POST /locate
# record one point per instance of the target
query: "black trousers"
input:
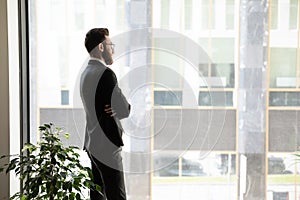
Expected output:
(110, 179)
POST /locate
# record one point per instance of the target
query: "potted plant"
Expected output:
(49, 170)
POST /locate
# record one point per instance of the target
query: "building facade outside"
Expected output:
(183, 65)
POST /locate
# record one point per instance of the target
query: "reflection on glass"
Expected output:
(213, 98)
(284, 99)
(171, 98)
(194, 164)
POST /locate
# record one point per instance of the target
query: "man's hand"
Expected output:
(108, 110)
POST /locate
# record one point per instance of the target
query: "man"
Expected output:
(104, 105)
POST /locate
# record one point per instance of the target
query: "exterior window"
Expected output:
(274, 14)
(64, 97)
(188, 14)
(284, 132)
(194, 164)
(213, 98)
(284, 99)
(57, 8)
(222, 58)
(208, 14)
(79, 14)
(160, 132)
(293, 14)
(99, 10)
(230, 14)
(165, 62)
(170, 98)
(165, 13)
(120, 12)
(283, 67)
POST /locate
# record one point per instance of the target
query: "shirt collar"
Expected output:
(93, 58)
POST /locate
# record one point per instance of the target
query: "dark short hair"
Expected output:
(94, 37)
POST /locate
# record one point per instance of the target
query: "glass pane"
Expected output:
(194, 163)
(166, 164)
(221, 69)
(222, 50)
(120, 11)
(284, 129)
(196, 169)
(208, 14)
(57, 31)
(281, 164)
(188, 14)
(166, 62)
(225, 72)
(283, 67)
(213, 98)
(230, 14)
(284, 99)
(293, 14)
(153, 79)
(178, 129)
(170, 98)
(283, 172)
(165, 13)
(208, 164)
(274, 14)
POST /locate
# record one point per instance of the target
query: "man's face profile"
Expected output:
(108, 51)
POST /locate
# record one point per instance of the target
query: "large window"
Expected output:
(178, 63)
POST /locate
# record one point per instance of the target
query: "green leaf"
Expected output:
(72, 196)
(78, 196)
(98, 188)
(67, 135)
(35, 191)
(42, 128)
(30, 147)
(70, 187)
(16, 195)
(11, 167)
(63, 174)
(65, 186)
(48, 126)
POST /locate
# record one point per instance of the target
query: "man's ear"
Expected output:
(101, 47)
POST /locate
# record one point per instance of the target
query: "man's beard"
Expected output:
(107, 57)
